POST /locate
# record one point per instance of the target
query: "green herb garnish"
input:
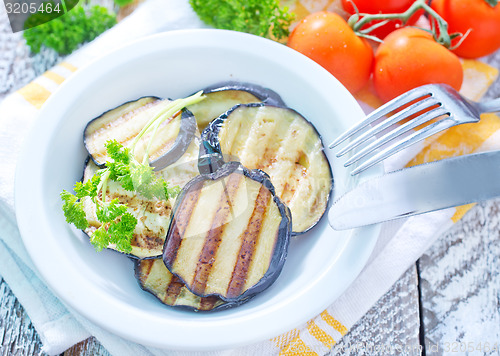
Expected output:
(260, 17)
(117, 224)
(65, 33)
(123, 2)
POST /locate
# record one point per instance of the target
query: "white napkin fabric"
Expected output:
(399, 245)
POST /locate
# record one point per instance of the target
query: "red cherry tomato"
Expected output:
(382, 7)
(326, 38)
(477, 15)
(409, 57)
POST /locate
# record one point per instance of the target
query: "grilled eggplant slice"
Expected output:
(156, 279)
(154, 215)
(282, 143)
(126, 121)
(223, 96)
(229, 234)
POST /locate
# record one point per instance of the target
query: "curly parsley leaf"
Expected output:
(65, 33)
(119, 166)
(146, 183)
(123, 2)
(260, 17)
(87, 189)
(118, 233)
(122, 232)
(117, 224)
(117, 152)
(73, 210)
(132, 175)
(110, 211)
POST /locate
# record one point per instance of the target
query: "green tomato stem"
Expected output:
(492, 3)
(357, 21)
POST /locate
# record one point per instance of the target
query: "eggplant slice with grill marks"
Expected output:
(124, 123)
(153, 215)
(156, 279)
(223, 96)
(286, 146)
(229, 234)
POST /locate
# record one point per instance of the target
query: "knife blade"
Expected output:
(419, 189)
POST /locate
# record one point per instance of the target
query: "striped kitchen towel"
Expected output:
(399, 245)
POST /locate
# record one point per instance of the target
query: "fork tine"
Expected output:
(419, 120)
(420, 135)
(403, 114)
(381, 111)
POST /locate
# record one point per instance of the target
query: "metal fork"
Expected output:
(432, 101)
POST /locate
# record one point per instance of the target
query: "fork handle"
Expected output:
(490, 106)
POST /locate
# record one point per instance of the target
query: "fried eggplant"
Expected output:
(124, 123)
(223, 96)
(153, 215)
(286, 146)
(229, 234)
(155, 278)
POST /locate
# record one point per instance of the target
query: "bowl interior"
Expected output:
(101, 286)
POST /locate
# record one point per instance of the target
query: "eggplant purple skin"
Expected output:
(98, 117)
(211, 151)
(187, 130)
(226, 305)
(284, 230)
(186, 135)
(265, 95)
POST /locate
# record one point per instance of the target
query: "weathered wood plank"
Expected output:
(89, 347)
(391, 327)
(460, 277)
(17, 335)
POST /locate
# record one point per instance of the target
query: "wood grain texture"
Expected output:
(90, 347)
(391, 327)
(17, 335)
(460, 277)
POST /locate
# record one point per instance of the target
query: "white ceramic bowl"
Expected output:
(101, 286)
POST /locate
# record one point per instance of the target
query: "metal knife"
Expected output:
(419, 189)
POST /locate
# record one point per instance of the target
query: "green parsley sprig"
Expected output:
(122, 3)
(117, 224)
(65, 33)
(260, 17)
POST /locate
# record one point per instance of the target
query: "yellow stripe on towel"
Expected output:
(478, 77)
(320, 334)
(284, 339)
(334, 323)
(68, 66)
(297, 348)
(35, 94)
(56, 78)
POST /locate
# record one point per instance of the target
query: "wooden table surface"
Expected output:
(448, 299)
